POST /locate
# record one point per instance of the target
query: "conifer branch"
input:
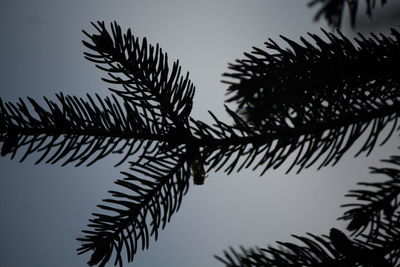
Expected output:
(77, 130)
(313, 101)
(374, 221)
(332, 10)
(316, 143)
(378, 203)
(333, 250)
(154, 191)
(282, 87)
(143, 72)
(310, 101)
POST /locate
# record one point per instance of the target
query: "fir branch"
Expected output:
(387, 239)
(143, 72)
(315, 82)
(151, 117)
(154, 193)
(375, 220)
(377, 203)
(332, 10)
(245, 146)
(333, 250)
(157, 183)
(313, 102)
(78, 130)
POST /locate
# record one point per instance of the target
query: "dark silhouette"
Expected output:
(332, 10)
(312, 101)
(330, 93)
(373, 221)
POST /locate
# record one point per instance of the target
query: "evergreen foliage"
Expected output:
(374, 224)
(311, 101)
(332, 10)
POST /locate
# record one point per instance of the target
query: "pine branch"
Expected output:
(387, 239)
(157, 183)
(309, 80)
(313, 102)
(376, 204)
(375, 220)
(151, 117)
(77, 130)
(142, 70)
(154, 193)
(332, 10)
(335, 250)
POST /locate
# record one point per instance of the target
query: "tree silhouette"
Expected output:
(310, 102)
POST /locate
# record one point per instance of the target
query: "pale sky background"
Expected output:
(44, 207)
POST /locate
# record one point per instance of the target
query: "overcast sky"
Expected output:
(44, 207)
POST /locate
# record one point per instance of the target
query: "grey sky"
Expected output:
(44, 207)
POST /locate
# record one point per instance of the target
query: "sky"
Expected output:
(44, 207)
